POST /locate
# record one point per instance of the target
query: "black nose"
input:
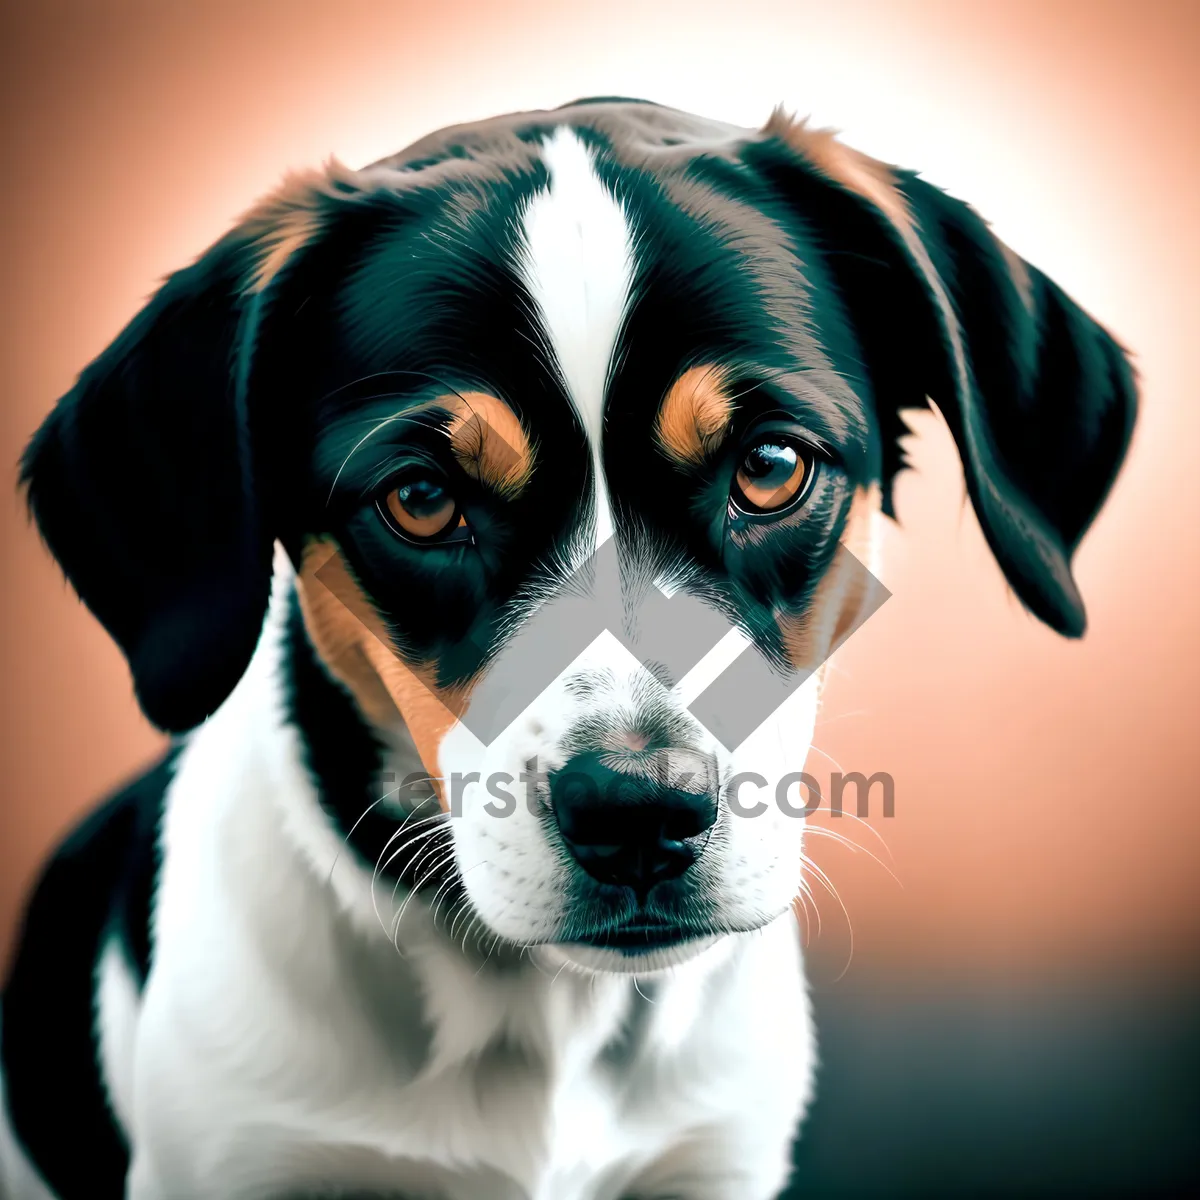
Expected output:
(639, 825)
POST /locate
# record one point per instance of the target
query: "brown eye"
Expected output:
(422, 509)
(771, 475)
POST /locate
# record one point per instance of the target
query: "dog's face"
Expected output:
(608, 349)
(566, 364)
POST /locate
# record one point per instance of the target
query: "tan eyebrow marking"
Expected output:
(488, 441)
(695, 415)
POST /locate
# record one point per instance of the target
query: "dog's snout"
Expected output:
(632, 824)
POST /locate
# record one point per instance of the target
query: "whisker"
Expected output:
(464, 906)
(802, 911)
(363, 814)
(379, 860)
(422, 827)
(855, 847)
(434, 868)
(827, 883)
(400, 416)
(826, 755)
(440, 895)
(424, 836)
(855, 712)
(869, 827)
(640, 992)
(380, 865)
(432, 849)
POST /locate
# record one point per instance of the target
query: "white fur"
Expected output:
(512, 872)
(287, 1039)
(117, 1005)
(578, 261)
(279, 1046)
(578, 266)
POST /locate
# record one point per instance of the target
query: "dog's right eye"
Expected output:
(422, 509)
(775, 474)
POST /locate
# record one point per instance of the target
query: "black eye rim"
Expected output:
(453, 533)
(808, 453)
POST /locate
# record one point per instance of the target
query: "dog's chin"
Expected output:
(629, 959)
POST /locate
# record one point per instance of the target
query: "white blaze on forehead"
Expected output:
(577, 261)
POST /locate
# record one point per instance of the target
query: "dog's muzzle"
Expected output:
(631, 822)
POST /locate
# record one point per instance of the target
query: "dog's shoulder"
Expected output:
(96, 891)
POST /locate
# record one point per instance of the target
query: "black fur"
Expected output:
(1046, 417)
(365, 805)
(142, 483)
(99, 885)
(228, 416)
(221, 417)
(1045, 412)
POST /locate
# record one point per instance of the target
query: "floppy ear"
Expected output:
(1039, 398)
(147, 479)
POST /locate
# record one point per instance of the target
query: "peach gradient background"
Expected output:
(1047, 818)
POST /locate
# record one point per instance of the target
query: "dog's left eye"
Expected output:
(422, 509)
(775, 473)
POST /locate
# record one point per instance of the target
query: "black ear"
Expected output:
(1040, 399)
(147, 479)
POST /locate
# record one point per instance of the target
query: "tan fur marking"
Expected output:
(695, 415)
(1018, 268)
(351, 639)
(293, 215)
(489, 442)
(875, 182)
(867, 176)
(486, 438)
(281, 224)
(841, 597)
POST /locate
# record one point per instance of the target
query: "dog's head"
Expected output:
(609, 348)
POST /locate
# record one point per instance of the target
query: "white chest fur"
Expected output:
(285, 1046)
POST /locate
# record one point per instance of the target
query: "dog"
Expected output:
(320, 490)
